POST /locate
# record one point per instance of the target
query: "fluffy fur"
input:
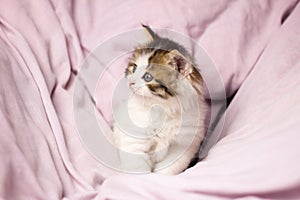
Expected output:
(163, 122)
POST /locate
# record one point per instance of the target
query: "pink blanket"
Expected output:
(255, 46)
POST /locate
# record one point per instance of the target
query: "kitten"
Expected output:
(161, 126)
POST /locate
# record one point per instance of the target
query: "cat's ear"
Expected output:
(152, 35)
(180, 63)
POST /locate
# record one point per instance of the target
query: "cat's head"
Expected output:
(161, 68)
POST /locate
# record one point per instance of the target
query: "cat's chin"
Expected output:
(146, 99)
(139, 93)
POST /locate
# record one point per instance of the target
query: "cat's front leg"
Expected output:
(133, 153)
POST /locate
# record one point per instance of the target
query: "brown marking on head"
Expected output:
(168, 60)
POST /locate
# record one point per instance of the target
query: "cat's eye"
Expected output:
(147, 77)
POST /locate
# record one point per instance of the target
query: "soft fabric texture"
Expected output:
(255, 46)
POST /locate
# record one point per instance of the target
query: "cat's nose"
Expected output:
(131, 84)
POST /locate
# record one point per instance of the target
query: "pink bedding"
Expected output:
(255, 46)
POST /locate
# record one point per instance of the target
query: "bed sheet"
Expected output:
(254, 45)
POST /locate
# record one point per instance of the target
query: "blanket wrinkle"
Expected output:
(47, 106)
(288, 11)
(210, 18)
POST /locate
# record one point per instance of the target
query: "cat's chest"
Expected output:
(145, 115)
(139, 116)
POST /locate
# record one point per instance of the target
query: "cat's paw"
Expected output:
(166, 171)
